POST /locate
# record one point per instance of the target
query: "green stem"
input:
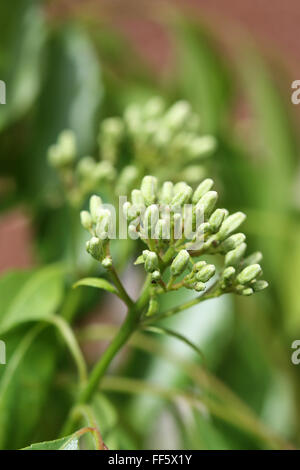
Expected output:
(122, 292)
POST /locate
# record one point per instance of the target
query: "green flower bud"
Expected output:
(103, 224)
(154, 107)
(86, 220)
(151, 261)
(232, 242)
(148, 189)
(95, 248)
(178, 114)
(104, 171)
(249, 273)
(259, 285)
(203, 188)
(228, 273)
(193, 173)
(107, 262)
(128, 177)
(95, 207)
(132, 232)
(208, 202)
(230, 224)
(201, 147)
(180, 262)
(86, 167)
(150, 220)
(162, 231)
(254, 258)
(206, 273)
(166, 193)
(182, 194)
(67, 146)
(112, 129)
(216, 219)
(199, 286)
(247, 291)
(234, 257)
(199, 265)
(156, 275)
(137, 198)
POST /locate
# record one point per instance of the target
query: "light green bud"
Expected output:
(228, 273)
(249, 274)
(95, 207)
(67, 146)
(199, 265)
(259, 285)
(203, 188)
(156, 275)
(128, 177)
(150, 220)
(132, 232)
(193, 173)
(230, 224)
(216, 219)
(103, 224)
(86, 220)
(148, 189)
(234, 257)
(208, 202)
(166, 193)
(150, 260)
(206, 273)
(254, 258)
(182, 194)
(180, 262)
(95, 248)
(137, 198)
(178, 114)
(129, 211)
(201, 147)
(162, 231)
(232, 242)
(154, 107)
(107, 262)
(112, 129)
(86, 166)
(247, 291)
(199, 286)
(104, 171)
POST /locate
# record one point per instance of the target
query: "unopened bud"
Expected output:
(86, 220)
(150, 220)
(95, 248)
(216, 219)
(208, 202)
(107, 262)
(182, 194)
(254, 258)
(232, 242)
(95, 207)
(206, 273)
(150, 260)
(249, 273)
(202, 146)
(199, 286)
(166, 193)
(180, 263)
(230, 224)
(234, 257)
(148, 189)
(203, 188)
(259, 285)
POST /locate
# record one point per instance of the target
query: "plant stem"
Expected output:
(122, 292)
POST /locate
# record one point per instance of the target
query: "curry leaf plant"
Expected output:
(173, 258)
(151, 136)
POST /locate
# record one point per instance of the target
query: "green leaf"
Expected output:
(65, 443)
(22, 38)
(38, 297)
(98, 283)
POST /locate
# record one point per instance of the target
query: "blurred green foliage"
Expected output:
(69, 74)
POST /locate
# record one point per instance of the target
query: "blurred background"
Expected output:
(69, 64)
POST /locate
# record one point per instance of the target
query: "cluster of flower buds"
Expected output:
(180, 225)
(98, 221)
(82, 177)
(155, 136)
